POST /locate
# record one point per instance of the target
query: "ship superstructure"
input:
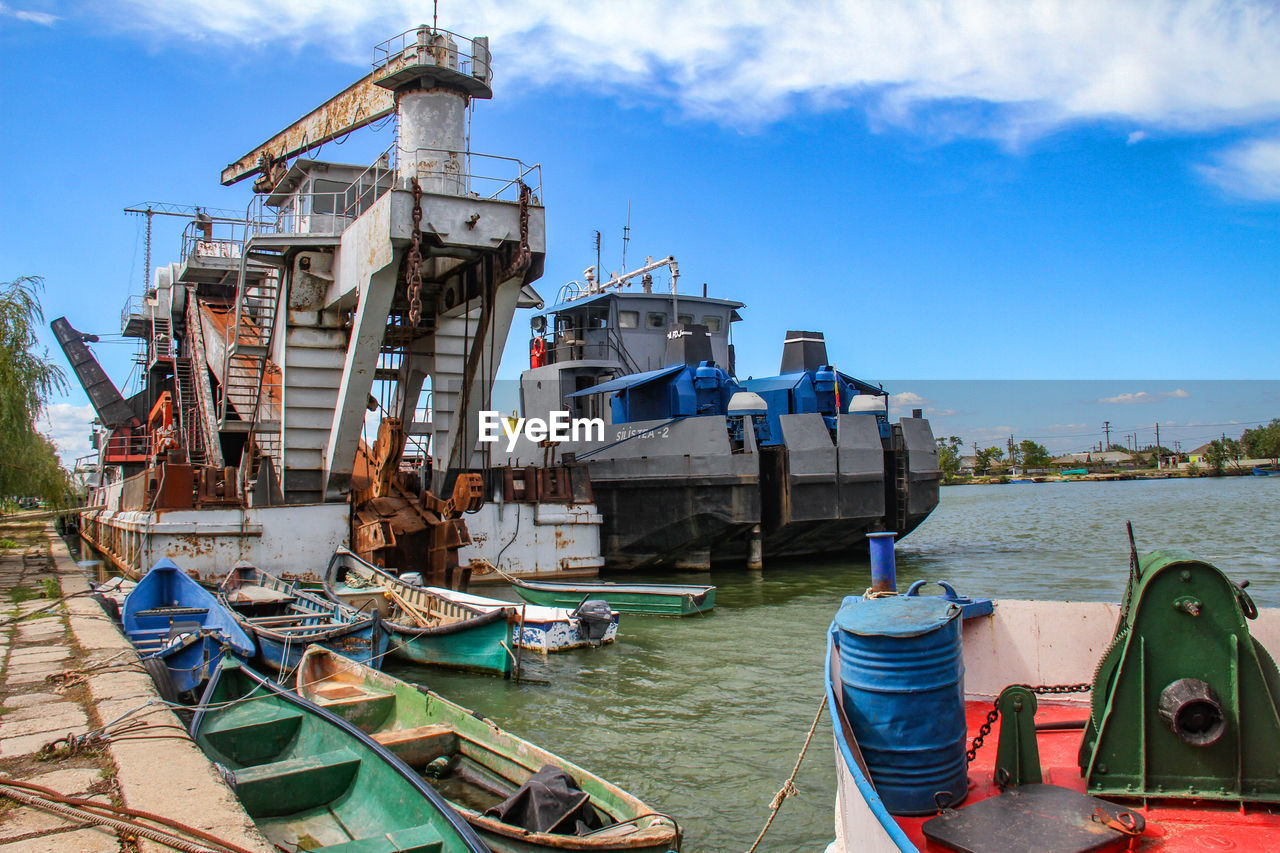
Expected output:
(697, 466)
(344, 291)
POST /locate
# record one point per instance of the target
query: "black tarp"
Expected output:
(550, 801)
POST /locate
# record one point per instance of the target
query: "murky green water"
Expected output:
(703, 718)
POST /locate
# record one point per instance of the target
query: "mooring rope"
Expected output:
(788, 788)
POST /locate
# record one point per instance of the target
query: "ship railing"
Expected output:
(125, 446)
(465, 173)
(561, 347)
(443, 48)
(134, 315)
(217, 239)
(469, 173)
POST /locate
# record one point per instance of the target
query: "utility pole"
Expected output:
(1106, 427)
(1158, 466)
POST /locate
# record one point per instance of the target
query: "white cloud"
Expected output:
(907, 398)
(67, 426)
(44, 19)
(1250, 169)
(1136, 137)
(1194, 65)
(1145, 397)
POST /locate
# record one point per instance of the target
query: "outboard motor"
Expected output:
(594, 616)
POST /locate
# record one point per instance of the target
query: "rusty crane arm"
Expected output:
(360, 104)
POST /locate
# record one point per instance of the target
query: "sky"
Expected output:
(981, 204)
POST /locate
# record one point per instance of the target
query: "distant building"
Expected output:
(1096, 460)
(1198, 455)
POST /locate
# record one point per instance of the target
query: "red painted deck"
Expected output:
(1173, 826)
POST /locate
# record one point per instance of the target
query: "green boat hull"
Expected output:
(311, 781)
(649, 599)
(478, 648)
(485, 763)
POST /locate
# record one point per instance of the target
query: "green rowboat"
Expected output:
(473, 763)
(424, 627)
(654, 599)
(312, 781)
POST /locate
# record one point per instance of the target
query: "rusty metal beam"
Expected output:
(359, 104)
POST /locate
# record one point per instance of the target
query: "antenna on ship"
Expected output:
(626, 236)
(599, 271)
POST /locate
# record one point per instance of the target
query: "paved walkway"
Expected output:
(65, 671)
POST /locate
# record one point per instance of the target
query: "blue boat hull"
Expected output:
(364, 642)
(170, 618)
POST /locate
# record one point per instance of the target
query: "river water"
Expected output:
(703, 717)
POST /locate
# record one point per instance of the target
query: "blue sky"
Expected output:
(977, 191)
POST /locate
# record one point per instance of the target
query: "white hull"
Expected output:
(543, 540)
(544, 629)
(287, 541)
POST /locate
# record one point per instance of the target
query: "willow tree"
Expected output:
(28, 461)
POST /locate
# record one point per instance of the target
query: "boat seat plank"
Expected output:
(419, 745)
(253, 739)
(296, 784)
(415, 839)
(364, 709)
(172, 611)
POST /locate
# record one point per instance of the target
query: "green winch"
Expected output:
(1185, 701)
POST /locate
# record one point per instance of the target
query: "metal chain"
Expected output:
(521, 257)
(994, 714)
(414, 274)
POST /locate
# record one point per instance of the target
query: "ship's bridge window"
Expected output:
(598, 320)
(325, 195)
(655, 320)
(628, 319)
(686, 319)
(712, 324)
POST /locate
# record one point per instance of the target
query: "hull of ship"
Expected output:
(208, 542)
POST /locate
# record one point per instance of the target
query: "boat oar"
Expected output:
(412, 612)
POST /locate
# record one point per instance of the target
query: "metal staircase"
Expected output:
(188, 410)
(311, 382)
(249, 341)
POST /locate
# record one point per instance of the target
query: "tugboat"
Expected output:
(343, 290)
(695, 465)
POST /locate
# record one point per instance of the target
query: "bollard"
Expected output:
(884, 571)
(755, 548)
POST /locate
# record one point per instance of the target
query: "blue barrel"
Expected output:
(902, 677)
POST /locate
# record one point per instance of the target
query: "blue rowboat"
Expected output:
(180, 629)
(285, 620)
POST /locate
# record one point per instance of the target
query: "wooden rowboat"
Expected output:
(312, 781)
(423, 627)
(654, 599)
(180, 629)
(473, 763)
(285, 620)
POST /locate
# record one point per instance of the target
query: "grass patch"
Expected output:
(52, 589)
(20, 594)
(6, 543)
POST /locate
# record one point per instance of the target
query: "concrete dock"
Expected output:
(68, 672)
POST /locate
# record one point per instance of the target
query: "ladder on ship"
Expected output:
(901, 481)
(188, 410)
(249, 344)
(249, 349)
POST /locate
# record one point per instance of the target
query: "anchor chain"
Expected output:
(414, 273)
(522, 256)
(993, 715)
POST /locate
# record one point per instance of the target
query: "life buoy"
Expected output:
(537, 352)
